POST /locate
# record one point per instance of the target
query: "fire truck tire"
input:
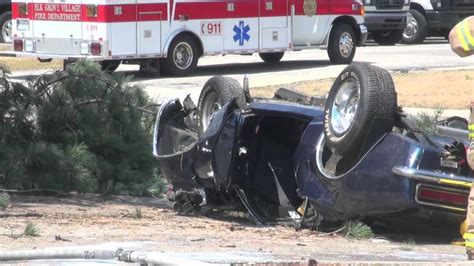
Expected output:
(271, 57)
(342, 45)
(360, 93)
(216, 92)
(6, 26)
(387, 37)
(183, 56)
(110, 65)
(417, 28)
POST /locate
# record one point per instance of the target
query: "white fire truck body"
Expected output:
(176, 30)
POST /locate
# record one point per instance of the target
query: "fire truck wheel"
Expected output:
(417, 28)
(109, 65)
(388, 37)
(360, 94)
(216, 92)
(182, 56)
(6, 24)
(341, 46)
(271, 57)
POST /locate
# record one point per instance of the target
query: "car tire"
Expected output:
(183, 56)
(6, 26)
(342, 44)
(271, 57)
(456, 122)
(390, 37)
(368, 92)
(216, 92)
(109, 65)
(417, 28)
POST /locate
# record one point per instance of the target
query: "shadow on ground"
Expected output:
(226, 69)
(410, 229)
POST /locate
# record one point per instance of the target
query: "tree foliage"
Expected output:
(76, 130)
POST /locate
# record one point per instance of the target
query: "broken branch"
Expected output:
(18, 214)
(89, 102)
(145, 110)
(32, 191)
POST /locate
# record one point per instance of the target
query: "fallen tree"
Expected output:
(76, 130)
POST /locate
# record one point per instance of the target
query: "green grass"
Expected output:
(427, 122)
(138, 213)
(4, 201)
(357, 230)
(409, 245)
(31, 230)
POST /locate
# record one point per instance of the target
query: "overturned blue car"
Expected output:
(353, 154)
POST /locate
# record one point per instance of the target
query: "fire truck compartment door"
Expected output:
(312, 21)
(274, 16)
(67, 29)
(149, 32)
(123, 29)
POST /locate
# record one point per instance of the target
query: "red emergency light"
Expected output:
(18, 45)
(96, 48)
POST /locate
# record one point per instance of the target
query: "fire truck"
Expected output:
(172, 35)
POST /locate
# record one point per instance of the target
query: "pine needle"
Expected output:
(357, 230)
(4, 201)
(31, 230)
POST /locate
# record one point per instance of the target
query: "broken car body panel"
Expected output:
(275, 144)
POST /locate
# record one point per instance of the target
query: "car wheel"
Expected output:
(417, 28)
(271, 57)
(110, 65)
(360, 93)
(389, 37)
(216, 92)
(182, 56)
(342, 45)
(6, 24)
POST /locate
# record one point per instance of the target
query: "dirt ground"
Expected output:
(448, 89)
(91, 220)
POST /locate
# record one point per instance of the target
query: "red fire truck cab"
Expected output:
(179, 32)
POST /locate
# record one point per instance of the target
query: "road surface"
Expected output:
(304, 65)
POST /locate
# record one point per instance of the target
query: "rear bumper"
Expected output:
(386, 21)
(69, 49)
(458, 185)
(363, 35)
(446, 19)
(54, 56)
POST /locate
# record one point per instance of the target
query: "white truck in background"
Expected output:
(386, 19)
(434, 18)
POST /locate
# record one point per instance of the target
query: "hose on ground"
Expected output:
(57, 254)
(119, 254)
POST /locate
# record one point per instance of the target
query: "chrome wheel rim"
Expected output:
(345, 106)
(209, 109)
(346, 44)
(412, 27)
(7, 31)
(183, 55)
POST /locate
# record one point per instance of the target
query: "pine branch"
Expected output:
(20, 214)
(35, 191)
(146, 110)
(89, 102)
